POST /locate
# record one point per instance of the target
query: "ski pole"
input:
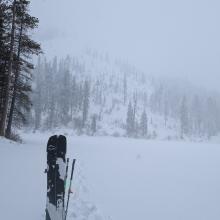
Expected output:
(73, 164)
(65, 179)
(67, 165)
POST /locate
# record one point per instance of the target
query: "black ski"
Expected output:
(56, 153)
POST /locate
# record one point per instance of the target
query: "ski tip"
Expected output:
(58, 141)
(60, 136)
(57, 137)
(52, 140)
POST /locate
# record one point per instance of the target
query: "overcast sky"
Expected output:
(167, 37)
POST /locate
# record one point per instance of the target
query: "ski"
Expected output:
(56, 163)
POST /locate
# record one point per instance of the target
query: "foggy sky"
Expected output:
(172, 37)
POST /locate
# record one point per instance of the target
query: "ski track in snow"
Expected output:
(80, 206)
(115, 179)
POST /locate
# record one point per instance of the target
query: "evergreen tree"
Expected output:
(130, 122)
(144, 124)
(37, 97)
(8, 73)
(165, 112)
(64, 99)
(4, 55)
(94, 124)
(125, 89)
(20, 102)
(212, 118)
(196, 114)
(184, 123)
(85, 103)
(52, 95)
(73, 97)
(16, 48)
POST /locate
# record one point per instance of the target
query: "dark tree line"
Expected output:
(196, 111)
(16, 49)
(60, 98)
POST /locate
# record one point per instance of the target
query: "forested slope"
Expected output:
(93, 94)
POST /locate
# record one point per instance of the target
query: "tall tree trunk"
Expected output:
(9, 73)
(17, 72)
(11, 113)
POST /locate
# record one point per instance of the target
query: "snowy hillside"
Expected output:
(115, 179)
(96, 95)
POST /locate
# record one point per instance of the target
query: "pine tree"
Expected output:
(4, 54)
(125, 89)
(24, 47)
(196, 114)
(94, 124)
(212, 118)
(165, 112)
(85, 103)
(74, 97)
(38, 95)
(64, 99)
(130, 122)
(184, 123)
(16, 48)
(144, 124)
(8, 74)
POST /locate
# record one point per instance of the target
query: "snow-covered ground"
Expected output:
(115, 179)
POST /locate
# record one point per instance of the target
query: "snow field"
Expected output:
(115, 179)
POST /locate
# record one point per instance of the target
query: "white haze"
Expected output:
(175, 38)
